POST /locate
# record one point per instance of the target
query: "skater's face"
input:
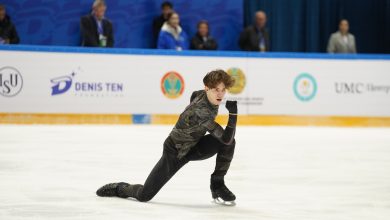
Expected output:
(215, 95)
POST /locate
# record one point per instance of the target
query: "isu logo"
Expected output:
(11, 82)
(240, 80)
(172, 85)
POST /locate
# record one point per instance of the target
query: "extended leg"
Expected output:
(162, 172)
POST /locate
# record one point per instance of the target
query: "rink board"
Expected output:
(61, 85)
(255, 120)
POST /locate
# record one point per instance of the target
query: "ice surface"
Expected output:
(52, 172)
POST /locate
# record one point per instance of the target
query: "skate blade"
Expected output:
(220, 201)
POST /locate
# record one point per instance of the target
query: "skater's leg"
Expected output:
(207, 147)
(224, 159)
(217, 183)
(162, 172)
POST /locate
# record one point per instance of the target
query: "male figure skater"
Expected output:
(188, 142)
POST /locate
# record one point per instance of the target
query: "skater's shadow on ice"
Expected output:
(231, 210)
(191, 206)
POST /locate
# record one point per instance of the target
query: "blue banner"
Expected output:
(55, 22)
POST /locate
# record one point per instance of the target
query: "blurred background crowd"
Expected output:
(333, 26)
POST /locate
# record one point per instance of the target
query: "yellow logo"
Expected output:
(172, 85)
(240, 80)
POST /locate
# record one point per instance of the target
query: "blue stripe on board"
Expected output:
(142, 118)
(155, 52)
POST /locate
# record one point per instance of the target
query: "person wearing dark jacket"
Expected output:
(202, 39)
(158, 22)
(256, 37)
(96, 31)
(8, 33)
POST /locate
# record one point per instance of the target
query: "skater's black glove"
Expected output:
(231, 106)
(226, 136)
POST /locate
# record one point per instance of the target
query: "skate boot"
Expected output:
(111, 189)
(220, 193)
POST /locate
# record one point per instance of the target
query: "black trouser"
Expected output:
(169, 164)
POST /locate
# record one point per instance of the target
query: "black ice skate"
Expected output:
(110, 190)
(222, 195)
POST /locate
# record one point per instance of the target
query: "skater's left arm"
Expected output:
(224, 136)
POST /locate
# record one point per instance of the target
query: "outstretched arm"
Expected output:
(224, 136)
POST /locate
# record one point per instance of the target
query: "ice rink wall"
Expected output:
(65, 85)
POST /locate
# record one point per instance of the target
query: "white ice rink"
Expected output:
(52, 172)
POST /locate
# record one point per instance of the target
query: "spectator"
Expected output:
(202, 39)
(166, 8)
(8, 33)
(256, 37)
(342, 41)
(172, 36)
(96, 30)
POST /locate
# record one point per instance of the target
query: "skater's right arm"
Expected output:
(224, 136)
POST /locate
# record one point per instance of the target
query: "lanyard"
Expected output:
(99, 27)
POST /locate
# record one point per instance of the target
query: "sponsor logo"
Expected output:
(172, 85)
(357, 88)
(240, 80)
(67, 84)
(305, 87)
(61, 84)
(11, 82)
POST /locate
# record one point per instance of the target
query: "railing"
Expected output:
(129, 51)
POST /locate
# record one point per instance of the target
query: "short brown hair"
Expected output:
(215, 77)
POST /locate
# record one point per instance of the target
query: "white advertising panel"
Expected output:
(48, 82)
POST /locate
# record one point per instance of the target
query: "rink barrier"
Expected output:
(191, 53)
(106, 114)
(284, 120)
(167, 119)
(22, 118)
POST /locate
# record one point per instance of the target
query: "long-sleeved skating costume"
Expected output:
(196, 120)
(188, 142)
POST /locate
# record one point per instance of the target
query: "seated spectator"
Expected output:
(342, 41)
(256, 37)
(96, 30)
(202, 39)
(166, 8)
(8, 33)
(172, 36)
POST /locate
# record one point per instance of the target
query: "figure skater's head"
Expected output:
(216, 83)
